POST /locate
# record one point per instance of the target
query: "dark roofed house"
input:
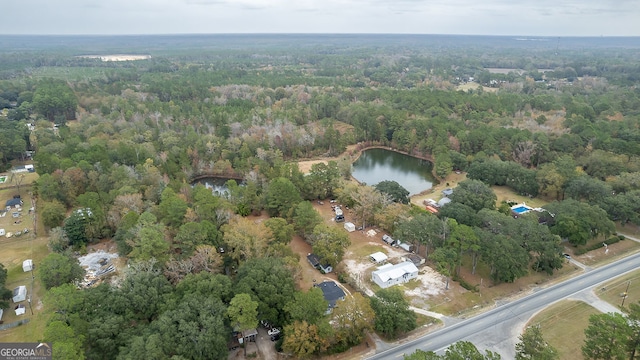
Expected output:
(332, 293)
(314, 260)
(13, 202)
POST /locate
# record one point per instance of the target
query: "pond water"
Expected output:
(217, 185)
(376, 165)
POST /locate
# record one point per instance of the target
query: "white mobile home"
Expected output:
(401, 273)
(19, 294)
(27, 265)
(349, 226)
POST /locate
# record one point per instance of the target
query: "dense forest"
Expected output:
(117, 145)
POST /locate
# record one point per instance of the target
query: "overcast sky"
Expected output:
(477, 17)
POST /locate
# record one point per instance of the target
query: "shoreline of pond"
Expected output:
(356, 152)
(360, 148)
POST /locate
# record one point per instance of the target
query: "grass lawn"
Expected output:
(14, 251)
(630, 229)
(505, 193)
(614, 289)
(601, 256)
(458, 301)
(563, 325)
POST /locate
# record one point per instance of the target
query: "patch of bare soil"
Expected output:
(305, 165)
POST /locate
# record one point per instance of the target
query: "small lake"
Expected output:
(376, 165)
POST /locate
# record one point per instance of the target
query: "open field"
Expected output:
(630, 229)
(604, 255)
(505, 193)
(613, 291)
(563, 325)
(474, 86)
(73, 73)
(14, 251)
(461, 302)
(12, 180)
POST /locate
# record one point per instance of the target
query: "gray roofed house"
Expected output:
(444, 201)
(332, 293)
(13, 202)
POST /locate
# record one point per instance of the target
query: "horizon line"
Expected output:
(328, 33)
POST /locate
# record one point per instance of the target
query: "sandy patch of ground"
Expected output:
(430, 282)
(305, 165)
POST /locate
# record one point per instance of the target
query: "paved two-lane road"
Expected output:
(492, 320)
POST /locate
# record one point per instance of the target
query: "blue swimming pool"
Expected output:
(521, 209)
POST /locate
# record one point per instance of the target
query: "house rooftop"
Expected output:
(331, 291)
(13, 202)
(447, 192)
(313, 259)
(396, 271)
(378, 257)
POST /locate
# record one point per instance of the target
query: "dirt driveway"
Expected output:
(263, 347)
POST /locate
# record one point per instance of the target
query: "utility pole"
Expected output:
(29, 301)
(624, 295)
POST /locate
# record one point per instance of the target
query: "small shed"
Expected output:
(447, 192)
(19, 294)
(27, 265)
(444, 201)
(20, 309)
(431, 209)
(416, 259)
(2, 232)
(388, 239)
(249, 335)
(405, 246)
(378, 257)
(349, 226)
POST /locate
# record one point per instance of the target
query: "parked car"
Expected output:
(265, 324)
(566, 256)
(274, 331)
(275, 337)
